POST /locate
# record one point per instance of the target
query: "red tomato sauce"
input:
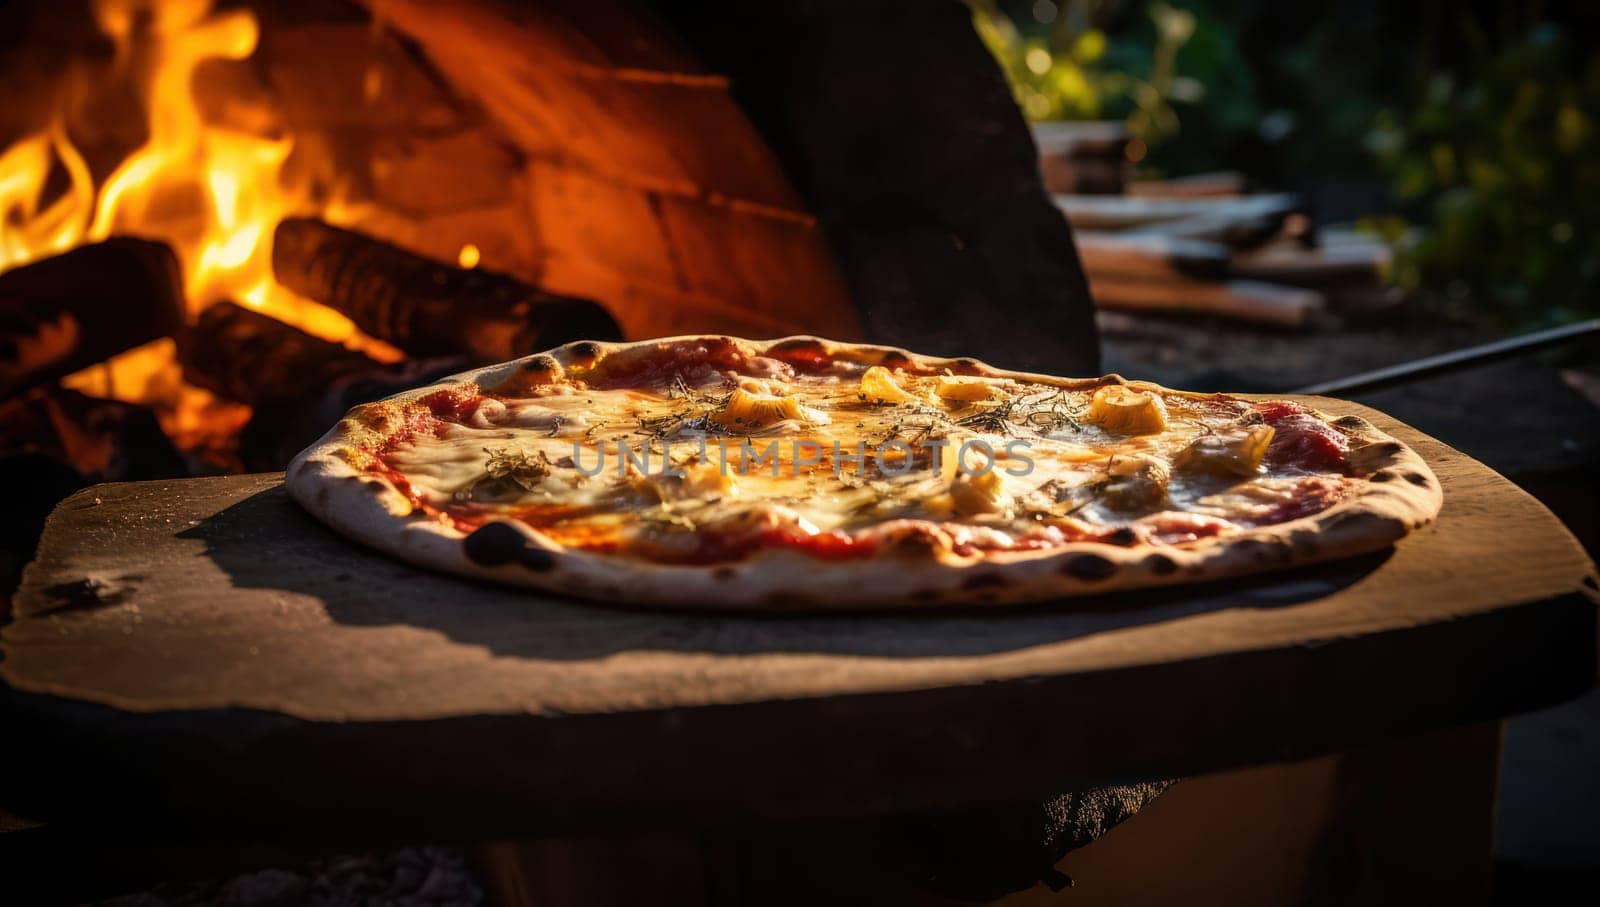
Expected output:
(805, 356)
(656, 366)
(454, 404)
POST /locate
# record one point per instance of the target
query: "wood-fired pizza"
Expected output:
(803, 473)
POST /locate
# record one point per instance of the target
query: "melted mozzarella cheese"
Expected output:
(831, 453)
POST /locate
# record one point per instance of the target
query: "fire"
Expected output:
(213, 191)
(25, 231)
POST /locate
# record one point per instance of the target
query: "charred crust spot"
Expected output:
(494, 544)
(1123, 536)
(1382, 475)
(1264, 552)
(541, 364)
(1161, 565)
(723, 573)
(585, 349)
(497, 544)
(1260, 552)
(965, 366)
(1304, 542)
(373, 486)
(1354, 423)
(895, 359)
(799, 345)
(537, 559)
(986, 580)
(1088, 567)
(1417, 479)
(1388, 448)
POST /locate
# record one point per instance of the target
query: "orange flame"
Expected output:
(213, 192)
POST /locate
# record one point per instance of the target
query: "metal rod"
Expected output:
(1471, 357)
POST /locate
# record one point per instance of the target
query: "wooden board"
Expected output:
(202, 658)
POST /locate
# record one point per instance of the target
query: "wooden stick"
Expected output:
(1234, 231)
(1114, 212)
(1336, 257)
(243, 355)
(1218, 184)
(1146, 257)
(73, 310)
(1245, 299)
(427, 308)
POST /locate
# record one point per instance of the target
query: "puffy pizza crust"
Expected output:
(1399, 494)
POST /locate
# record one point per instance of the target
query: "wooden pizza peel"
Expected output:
(202, 655)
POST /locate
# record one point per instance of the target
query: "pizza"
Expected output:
(802, 473)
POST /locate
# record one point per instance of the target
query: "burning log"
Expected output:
(427, 308)
(281, 428)
(82, 307)
(103, 440)
(298, 385)
(243, 355)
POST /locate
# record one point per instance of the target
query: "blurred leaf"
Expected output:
(1444, 162)
(1087, 76)
(1509, 164)
(1572, 127)
(1090, 46)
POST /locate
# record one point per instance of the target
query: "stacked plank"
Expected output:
(1252, 257)
(1199, 243)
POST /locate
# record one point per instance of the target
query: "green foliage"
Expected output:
(1167, 71)
(1509, 166)
(1052, 79)
(1072, 70)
